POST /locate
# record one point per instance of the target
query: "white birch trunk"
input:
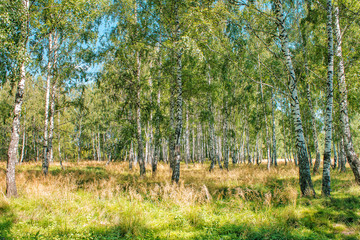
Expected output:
(274, 157)
(266, 125)
(99, 146)
(335, 155)
(344, 118)
(187, 137)
(226, 135)
(45, 165)
(326, 180)
(11, 190)
(314, 131)
(140, 149)
(306, 185)
(52, 103)
(23, 140)
(59, 141)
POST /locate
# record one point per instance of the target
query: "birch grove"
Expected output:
(215, 85)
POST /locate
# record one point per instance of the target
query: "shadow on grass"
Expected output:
(277, 230)
(342, 210)
(105, 233)
(81, 176)
(7, 219)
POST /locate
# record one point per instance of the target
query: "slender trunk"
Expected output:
(198, 143)
(239, 153)
(291, 145)
(23, 140)
(309, 151)
(79, 140)
(233, 147)
(326, 180)
(59, 142)
(51, 125)
(260, 149)
(93, 146)
(172, 120)
(342, 164)
(335, 156)
(225, 129)
(45, 166)
(99, 146)
(140, 143)
(306, 185)
(266, 125)
(172, 133)
(314, 132)
(274, 157)
(187, 137)
(339, 154)
(244, 148)
(147, 144)
(165, 150)
(248, 143)
(140, 149)
(109, 158)
(295, 159)
(131, 156)
(34, 138)
(157, 143)
(52, 101)
(179, 101)
(155, 158)
(203, 146)
(150, 124)
(11, 190)
(253, 155)
(109, 146)
(193, 145)
(257, 149)
(37, 153)
(217, 151)
(344, 118)
(285, 142)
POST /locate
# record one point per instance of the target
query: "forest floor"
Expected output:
(92, 201)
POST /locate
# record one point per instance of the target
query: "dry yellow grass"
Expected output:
(197, 184)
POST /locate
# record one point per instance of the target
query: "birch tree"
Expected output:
(306, 184)
(178, 99)
(274, 157)
(326, 189)
(344, 118)
(23, 10)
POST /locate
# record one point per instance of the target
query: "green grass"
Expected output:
(91, 201)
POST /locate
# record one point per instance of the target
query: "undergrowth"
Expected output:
(92, 201)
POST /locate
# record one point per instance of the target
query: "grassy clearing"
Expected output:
(91, 201)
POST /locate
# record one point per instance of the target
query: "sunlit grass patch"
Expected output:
(93, 201)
